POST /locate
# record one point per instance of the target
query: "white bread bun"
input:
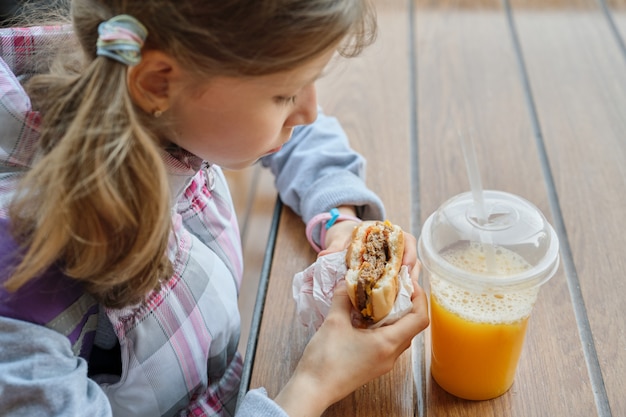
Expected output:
(374, 258)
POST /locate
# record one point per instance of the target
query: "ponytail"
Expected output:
(96, 203)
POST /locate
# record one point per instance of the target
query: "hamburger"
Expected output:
(373, 259)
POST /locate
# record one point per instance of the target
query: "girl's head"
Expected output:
(231, 78)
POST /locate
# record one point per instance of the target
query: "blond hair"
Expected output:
(97, 203)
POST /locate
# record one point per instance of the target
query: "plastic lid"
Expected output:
(510, 222)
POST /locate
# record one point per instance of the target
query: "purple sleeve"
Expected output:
(45, 299)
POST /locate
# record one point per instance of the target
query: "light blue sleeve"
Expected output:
(41, 376)
(257, 404)
(317, 170)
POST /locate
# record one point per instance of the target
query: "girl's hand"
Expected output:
(338, 237)
(340, 358)
(339, 234)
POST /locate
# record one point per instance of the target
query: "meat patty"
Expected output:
(375, 257)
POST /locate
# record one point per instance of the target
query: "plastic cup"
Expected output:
(484, 276)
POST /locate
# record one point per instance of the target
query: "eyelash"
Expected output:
(287, 100)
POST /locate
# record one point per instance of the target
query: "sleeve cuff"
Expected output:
(256, 403)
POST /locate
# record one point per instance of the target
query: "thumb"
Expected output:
(341, 305)
(332, 248)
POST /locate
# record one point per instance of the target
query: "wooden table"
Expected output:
(541, 86)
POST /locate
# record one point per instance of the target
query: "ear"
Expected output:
(150, 81)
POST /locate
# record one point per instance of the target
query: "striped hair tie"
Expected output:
(121, 38)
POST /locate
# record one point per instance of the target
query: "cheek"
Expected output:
(185, 118)
(229, 134)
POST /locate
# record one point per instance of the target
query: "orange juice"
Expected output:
(477, 334)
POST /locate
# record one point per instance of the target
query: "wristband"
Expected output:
(325, 220)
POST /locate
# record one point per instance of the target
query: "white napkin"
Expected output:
(313, 291)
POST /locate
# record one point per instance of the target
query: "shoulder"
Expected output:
(20, 124)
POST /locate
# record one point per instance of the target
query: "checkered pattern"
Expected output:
(179, 347)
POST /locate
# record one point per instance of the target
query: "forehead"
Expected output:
(302, 75)
(284, 81)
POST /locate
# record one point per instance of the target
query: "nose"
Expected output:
(305, 110)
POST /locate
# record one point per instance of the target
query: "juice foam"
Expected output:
(490, 305)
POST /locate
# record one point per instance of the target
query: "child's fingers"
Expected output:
(403, 330)
(409, 257)
(341, 300)
(341, 305)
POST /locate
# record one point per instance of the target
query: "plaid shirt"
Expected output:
(179, 347)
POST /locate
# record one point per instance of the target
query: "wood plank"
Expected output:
(577, 72)
(468, 76)
(369, 96)
(254, 197)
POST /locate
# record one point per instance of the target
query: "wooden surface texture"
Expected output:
(541, 89)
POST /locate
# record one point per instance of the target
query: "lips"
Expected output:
(285, 140)
(275, 149)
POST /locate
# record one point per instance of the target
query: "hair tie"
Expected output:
(121, 38)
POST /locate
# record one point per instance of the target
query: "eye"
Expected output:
(286, 99)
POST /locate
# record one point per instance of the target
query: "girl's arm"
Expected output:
(40, 375)
(317, 170)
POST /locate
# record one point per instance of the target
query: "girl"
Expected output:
(121, 258)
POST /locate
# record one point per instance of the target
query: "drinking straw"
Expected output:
(471, 164)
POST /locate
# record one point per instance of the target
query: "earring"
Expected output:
(156, 113)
